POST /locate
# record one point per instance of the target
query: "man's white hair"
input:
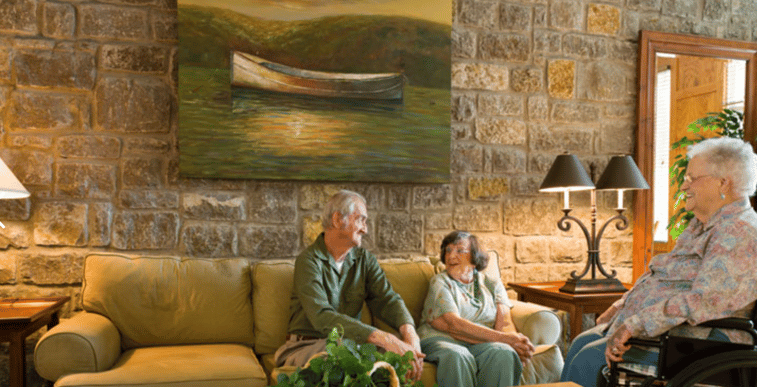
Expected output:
(343, 202)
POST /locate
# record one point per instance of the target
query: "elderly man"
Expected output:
(332, 279)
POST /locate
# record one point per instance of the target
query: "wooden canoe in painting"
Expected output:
(254, 72)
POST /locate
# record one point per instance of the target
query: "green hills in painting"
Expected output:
(347, 43)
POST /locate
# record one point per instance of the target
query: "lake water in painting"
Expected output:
(248, 134)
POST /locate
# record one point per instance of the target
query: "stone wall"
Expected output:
(88, 123)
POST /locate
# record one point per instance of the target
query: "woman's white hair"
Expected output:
(731, 158)
(342, 202)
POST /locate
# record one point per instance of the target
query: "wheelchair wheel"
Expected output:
(732, 369)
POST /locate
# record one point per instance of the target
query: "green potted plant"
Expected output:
(345, 363)
(728, 123)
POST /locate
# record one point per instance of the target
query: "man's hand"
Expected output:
(616, 345)
(410, 336)
(391, 343)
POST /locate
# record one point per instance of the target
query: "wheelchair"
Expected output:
(688, 362)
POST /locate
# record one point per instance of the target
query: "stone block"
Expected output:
(531, 273)
(538, 108)
(268, 242)
(502, 131)
(466, 157)
(142, 172)
(479, 14)
(164, 26)
(605, 81)
(311, 228)
(113, 22)
(527, 80)
(31, 141)
(525, 185)
(5, 69)
(568, 250)
(531, 216)
(18, 17)
(531, 250)
(435, 197)
(515, 17)
(45, 111)
(89, 147)
(145, 230)
(438, 221)
(506, 160)
(399, 232)
(566, 15)
(680, 8)
(43, 269)
(617, 136)
(603, 19)
(483, 188)
(561, 75)
(30, 167)
(616, 252)
(100, 224)
(214, 206)
(47, 68)
(148, 199)
(209, 239)
(136, 105)
(7, 269)
(15, 209)
(540, 15)
(626, 52)
(273, 203)
(500, 105)
(547, 41)
(60, 224)
(479, 76)
(587, 47)
(647, 5)
(147, 145)
(507, 47)
(78, 180)
(477, 218)
(398, 198)
(574, 112)
(715, 10)
(131, 58)
(463, 43)
(432, 243)
(59, 20)
(463, 107)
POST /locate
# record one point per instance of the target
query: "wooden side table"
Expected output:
(20, 317)
(548, 294)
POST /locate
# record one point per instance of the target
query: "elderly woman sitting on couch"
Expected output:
(466, 325)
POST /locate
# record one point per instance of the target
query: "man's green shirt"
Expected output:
(323, 297)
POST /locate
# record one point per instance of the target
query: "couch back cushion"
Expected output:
(168, 300)
(410, 280)
(272, 283)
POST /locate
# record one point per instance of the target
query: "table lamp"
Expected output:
(567, 174)
(10, 187)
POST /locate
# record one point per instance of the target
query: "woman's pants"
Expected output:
(462, 364)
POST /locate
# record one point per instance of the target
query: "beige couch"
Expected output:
(167, 321)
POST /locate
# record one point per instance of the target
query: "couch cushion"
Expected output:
(209, 365)
(410, 280)
(168, 300)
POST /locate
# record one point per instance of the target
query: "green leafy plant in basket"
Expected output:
(348, 364)
(728, 123)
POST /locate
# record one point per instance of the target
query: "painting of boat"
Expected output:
(250, 71)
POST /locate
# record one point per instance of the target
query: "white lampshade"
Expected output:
(10, 187)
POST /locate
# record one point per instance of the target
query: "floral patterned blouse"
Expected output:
(710, 274)
(475, 302)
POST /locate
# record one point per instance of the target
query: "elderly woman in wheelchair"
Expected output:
(710, 274)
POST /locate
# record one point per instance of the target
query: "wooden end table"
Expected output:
(20, 317)
(548, 294)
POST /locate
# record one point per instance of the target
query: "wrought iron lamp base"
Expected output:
(601, 285)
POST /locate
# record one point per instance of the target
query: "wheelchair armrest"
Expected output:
(741, 324)
(645, 342)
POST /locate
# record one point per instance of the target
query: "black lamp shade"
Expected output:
(566, 174)
(621, 173)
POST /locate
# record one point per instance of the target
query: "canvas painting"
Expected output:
(334, 90)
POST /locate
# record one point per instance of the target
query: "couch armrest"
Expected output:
(87, 342)
(538, 322)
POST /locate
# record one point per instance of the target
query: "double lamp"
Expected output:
(566, 175)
